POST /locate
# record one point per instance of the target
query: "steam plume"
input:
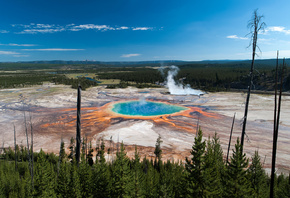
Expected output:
(176, 88)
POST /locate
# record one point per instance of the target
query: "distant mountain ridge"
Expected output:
(62, 64)
(160, 62)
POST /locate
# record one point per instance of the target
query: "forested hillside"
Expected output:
(204, 174)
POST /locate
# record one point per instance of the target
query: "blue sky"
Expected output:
(139, 30)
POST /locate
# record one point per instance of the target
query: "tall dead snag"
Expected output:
(15, 148)
(255, 25)
(22, 99)
(276, 126)
(32, 158)
(78, 136)
(229, 146)
(26, 133)
(60, 156)
(86, 149)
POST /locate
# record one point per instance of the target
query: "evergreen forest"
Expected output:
(204, 174)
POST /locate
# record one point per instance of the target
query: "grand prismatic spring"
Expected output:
(145, 108)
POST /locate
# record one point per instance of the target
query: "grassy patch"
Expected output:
(109, 81)
(76, 75)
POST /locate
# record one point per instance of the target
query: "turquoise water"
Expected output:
(145, 108)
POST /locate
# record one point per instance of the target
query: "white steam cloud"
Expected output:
(176, 88)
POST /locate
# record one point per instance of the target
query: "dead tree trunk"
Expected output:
(229, 146)
(275, 131)
(59, 157)
(26, 133)
(86, 150)
(78, 136)
(15, 148)
(32, 158)
(255, 25)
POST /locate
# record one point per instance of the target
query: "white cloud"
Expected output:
(237, 37)
(33, 28)
(44, 26)
(35, 31)
(232, 36)
(75, 29)
(280, 29)
(8, 53)
(92, 27)
(4, 31)
(19, 45)
(53, 49)
(21, 55)
(129, 55)
(12, 53)
(142, 28)
(122, 28)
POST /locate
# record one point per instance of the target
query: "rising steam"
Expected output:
(176, 88)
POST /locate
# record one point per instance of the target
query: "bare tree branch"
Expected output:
(255, 25)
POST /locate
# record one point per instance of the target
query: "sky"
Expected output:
(140, 30)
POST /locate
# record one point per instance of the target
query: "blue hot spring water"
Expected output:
(145, 108)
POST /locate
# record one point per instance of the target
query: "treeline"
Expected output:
(137, 75)
(74, 82)
(210, 77)
(124, 84)
(205, 174)
(206, 76)
(18, 80)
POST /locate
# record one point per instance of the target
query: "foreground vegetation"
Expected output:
(205, 174)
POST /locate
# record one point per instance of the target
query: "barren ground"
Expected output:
(52, 109)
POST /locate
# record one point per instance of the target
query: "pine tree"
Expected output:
(74, 185)
(90, 155)
(85, 177)
(195, 167)
(101, 180)
(151, 179)
(84, 149)
(100, 157)
(166, 176)
(121, 175)
(237, 183)
(101, 174)
(214, 167)
(283, 186)
(158, 154)
(62, 153)
(101, 153)
(138, 175)
(63, 180)
(258, 177)
(44, 180)
(61, 157)
(10, 182)
(158, 150)
(71, 155)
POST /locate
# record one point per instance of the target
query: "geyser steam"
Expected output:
(176, 88)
